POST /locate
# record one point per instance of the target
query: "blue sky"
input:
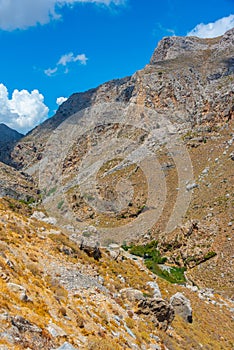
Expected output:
(53, 48)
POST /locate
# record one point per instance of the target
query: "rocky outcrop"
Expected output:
(17, 185)
(182, 307)
(157, 310)
(24, 325)
(91, 251)
(170, 48)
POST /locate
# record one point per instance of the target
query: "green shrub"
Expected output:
(209, 255)
(176, 274)
(60, 204)
(153, 259)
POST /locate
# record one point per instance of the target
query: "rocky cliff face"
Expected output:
(189, 79)
(17, 185)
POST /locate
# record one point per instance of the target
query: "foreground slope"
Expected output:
(52, 293)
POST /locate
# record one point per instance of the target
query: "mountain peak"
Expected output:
(174, 46)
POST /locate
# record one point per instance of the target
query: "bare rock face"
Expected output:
(182, 307)
(173, 47)
(17, 185)
(158, 310)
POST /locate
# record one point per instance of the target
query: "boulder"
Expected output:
(18, 290)
(66, 346)
(157, 310)
(55, 330)
(131, 294)
(94, 252)
(156, 291)
(182, 306)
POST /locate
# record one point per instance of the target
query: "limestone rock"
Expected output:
(156, 291)
(158, 310)
(39, 215)
(66, 346)
(19, 290)
(91, 251)
(131, 294)
(55, 330)
(182, 306)
(24, 325)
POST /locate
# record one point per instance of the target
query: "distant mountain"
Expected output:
(8, 139)
(8, 135)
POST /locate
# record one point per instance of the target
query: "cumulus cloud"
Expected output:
(21, 14)
(64, 61)
(60, 100)
(213, 29)
(24, 110)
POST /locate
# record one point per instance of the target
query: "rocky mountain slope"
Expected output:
(189, 79)
(8, 139)
(160, 288)
(55, 296)
(17, 184)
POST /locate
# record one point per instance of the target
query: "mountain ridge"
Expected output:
(64, 285)
(183, 85)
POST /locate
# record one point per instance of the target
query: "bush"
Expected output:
(149, 252)
(209, 255)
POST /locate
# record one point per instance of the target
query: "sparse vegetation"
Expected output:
(210, 255)
(153, 260)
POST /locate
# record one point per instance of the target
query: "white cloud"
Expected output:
(60, 100)
(21, 14)
(71, 58)
(213, 29)
(50, 71)
(64, 61)
(24, 110)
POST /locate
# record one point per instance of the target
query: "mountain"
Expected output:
(189, 79)
(8, 138)
(129, 244)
